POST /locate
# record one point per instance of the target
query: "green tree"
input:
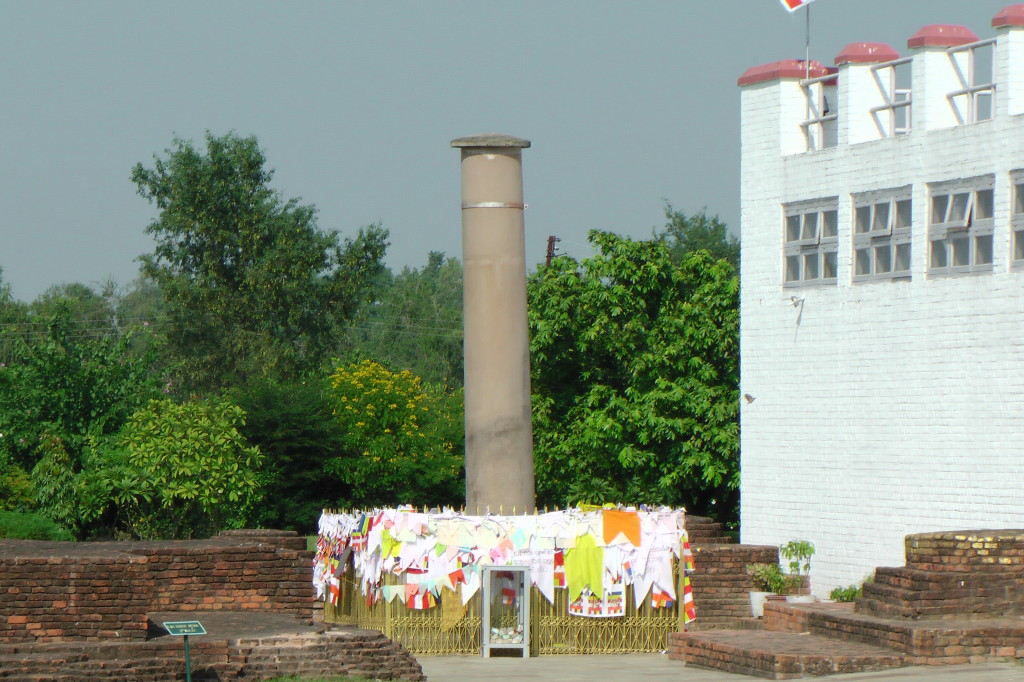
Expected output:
(684, 234)
(415, 323)
(69, 386)
(13, 322)
(403, 439)
(252, 287)
(294, 427)
(141, 305)
(89, 312)
(635, 377)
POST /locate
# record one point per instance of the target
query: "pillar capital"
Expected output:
(490, 141)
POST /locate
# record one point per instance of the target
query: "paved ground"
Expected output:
(626, 668)
(620, 668)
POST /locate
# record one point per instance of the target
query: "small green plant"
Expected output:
(768, 578)
(798, 553)
(845, 594)
(20, 526)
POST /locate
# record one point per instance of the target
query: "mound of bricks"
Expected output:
(365, 653)
(103, 590)
(92, 611)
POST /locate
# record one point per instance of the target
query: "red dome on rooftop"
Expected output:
(866, 53)
(1011, 15)
(942, 35)
(787, 68)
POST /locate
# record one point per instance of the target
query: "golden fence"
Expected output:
(451, 629)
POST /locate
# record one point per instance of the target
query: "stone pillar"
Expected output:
(499, 436)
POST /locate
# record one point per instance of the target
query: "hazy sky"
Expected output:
(626, 103)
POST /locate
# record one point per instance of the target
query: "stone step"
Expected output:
(778, 655)
(912, 578)
(932, 642)
(883, 609)
(966, 595)
(703, 530)
(719, 623)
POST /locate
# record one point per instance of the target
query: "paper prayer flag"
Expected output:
(794, 5)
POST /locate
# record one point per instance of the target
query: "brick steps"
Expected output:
(703, 530)
(932, 642)
(778, 655)
(952, 575)
(959, 599)
(721, 584)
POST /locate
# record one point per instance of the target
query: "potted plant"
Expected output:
(769, 581)
(798, 554)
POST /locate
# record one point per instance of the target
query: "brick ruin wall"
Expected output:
(952, 575)
(102, 591)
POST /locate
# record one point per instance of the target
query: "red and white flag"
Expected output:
(794, 5)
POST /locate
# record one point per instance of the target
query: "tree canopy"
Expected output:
(635, 370)
(684, 234)
(251, 286)
(415, 322)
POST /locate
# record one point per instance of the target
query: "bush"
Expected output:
(849, 593)
(195, 474)
(19, 526)
(15, 486)
(768, 578)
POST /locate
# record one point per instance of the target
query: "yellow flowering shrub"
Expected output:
(404, 438)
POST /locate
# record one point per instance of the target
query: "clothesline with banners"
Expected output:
(587, 557)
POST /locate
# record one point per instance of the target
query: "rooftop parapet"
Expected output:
(952, 78)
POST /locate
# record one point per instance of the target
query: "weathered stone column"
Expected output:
(499, 437)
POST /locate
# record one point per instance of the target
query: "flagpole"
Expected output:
(807, 42)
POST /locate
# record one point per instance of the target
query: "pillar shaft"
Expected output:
(499, 436)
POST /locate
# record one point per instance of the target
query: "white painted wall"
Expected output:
(883, 408)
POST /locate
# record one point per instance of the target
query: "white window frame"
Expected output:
(882, 226)
(811, 242)
(894, 117)
(966, 100)
(821, 127)
(1017, 220)
(960, 226)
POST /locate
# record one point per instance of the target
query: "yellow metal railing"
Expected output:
(451, 629)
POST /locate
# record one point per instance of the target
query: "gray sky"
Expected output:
(626, 103)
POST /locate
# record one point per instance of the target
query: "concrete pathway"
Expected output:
(629, 667)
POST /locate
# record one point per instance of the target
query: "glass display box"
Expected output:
(506, 610)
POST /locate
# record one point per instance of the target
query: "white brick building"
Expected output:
(883, 296)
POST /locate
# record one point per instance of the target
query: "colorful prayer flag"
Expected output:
(689, 610)
(794, 5)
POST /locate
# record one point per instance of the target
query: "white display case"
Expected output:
(506, 610)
